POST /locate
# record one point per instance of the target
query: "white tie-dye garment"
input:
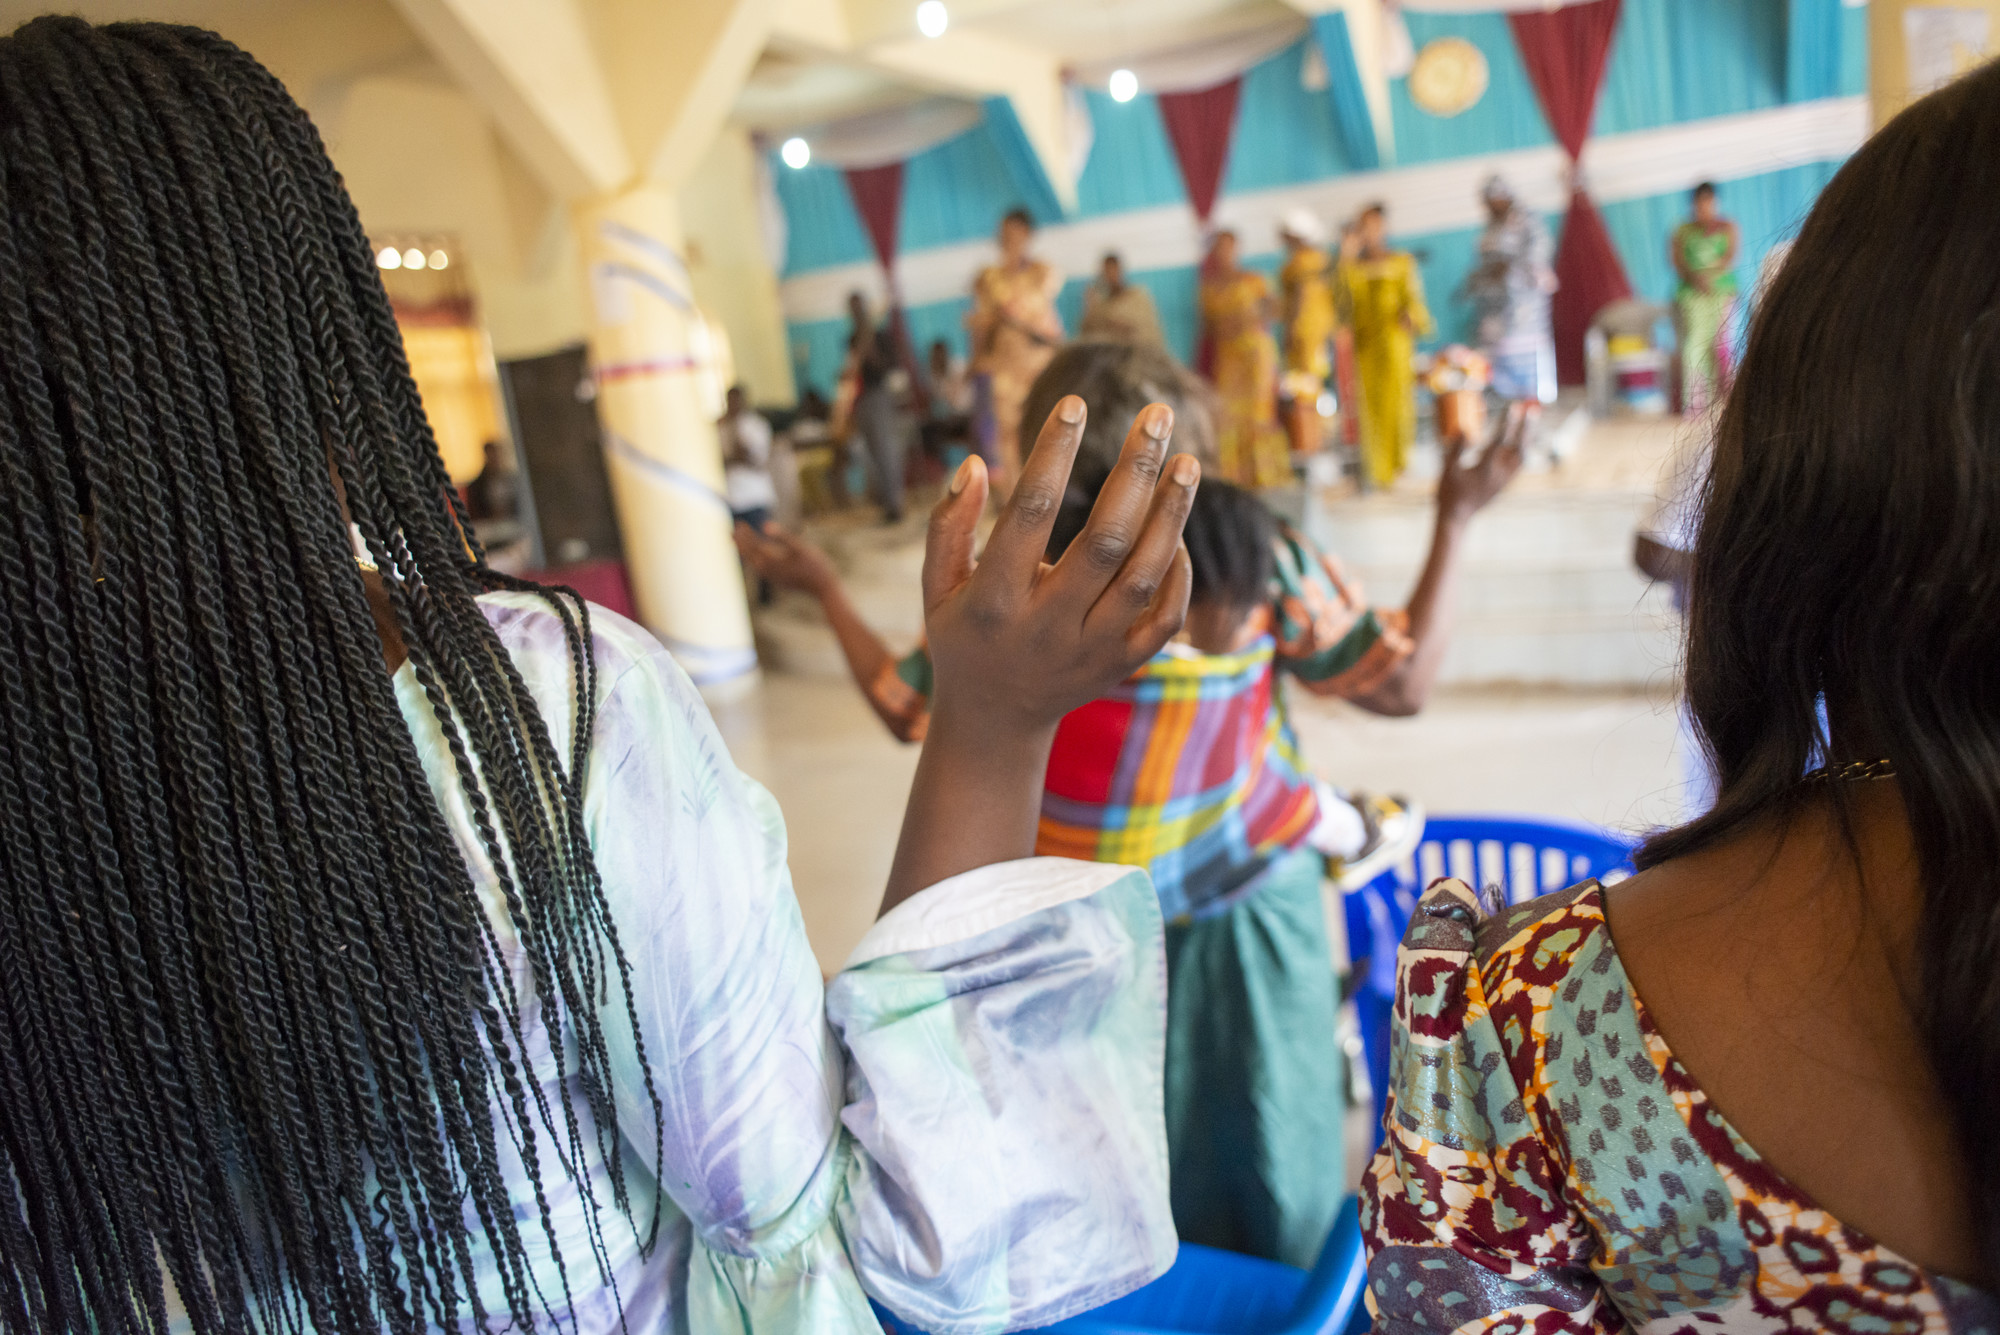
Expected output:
(965, 1125)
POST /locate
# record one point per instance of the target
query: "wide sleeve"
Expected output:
(1328, 637)
(1463, 1208)
(967, 1126)
(1004, 1096)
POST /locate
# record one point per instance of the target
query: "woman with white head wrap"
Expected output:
(1510, 288)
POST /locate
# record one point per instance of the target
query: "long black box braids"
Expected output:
(258, 1039)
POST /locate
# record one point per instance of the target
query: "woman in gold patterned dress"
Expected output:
(1236, 306)
(1015, 330)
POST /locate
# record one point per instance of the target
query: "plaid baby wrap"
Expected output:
(1190, 768)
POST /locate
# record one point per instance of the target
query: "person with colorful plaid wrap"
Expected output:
(1190, 768)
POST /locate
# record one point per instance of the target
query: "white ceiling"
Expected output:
(800, 84)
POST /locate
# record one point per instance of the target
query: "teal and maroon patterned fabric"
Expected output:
(1550, 1167)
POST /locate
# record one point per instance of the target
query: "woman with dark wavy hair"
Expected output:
(389, 945)
(1757, 1085)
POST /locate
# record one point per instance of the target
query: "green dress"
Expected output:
(1704, 317)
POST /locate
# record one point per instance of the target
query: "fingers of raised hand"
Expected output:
(1123, 506)
(1162, 618)
(1022, 534)
(1146, 576)
(954, 522)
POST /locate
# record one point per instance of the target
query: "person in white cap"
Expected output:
(1309, 321)
(1510, 289)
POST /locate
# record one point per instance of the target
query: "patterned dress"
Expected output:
(1510, 289)
(1015, 331)
(1551, 1168)
(1250, 445)
(915, 1131)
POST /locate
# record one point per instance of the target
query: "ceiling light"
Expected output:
(796, 152)
(1124, 85)
(413, 258)
(390, 258)
(932, 19)
(439, 259)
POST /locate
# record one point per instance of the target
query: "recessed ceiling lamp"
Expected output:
(389, 258)
(796, 152)
(932, 19)
(1123, 85)
(414, 259)
(439, 259)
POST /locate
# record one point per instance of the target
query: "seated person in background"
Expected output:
(951, 397)
(746, 466)
(1191, 770)
(1115, 311)
(1755, 1087)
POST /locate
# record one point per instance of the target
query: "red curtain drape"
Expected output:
(1564, 51)
(878, 197)
(1199, 124)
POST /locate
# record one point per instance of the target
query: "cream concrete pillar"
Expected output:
(1888, 57)
(650, 353)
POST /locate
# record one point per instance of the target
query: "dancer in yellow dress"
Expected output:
(1309, 321)
(1236, 305)
(1389, 318)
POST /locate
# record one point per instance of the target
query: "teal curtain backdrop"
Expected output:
(1673, 61)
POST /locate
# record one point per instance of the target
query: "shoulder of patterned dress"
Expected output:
(1451, 915)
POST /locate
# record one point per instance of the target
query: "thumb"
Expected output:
(954, 523)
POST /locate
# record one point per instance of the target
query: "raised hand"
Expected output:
(1465, 489)
(1016, 643)
(784, 558)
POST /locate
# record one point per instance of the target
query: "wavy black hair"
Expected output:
(257, 1037)
(1850, 549)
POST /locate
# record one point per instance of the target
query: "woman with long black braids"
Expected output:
(384, 945)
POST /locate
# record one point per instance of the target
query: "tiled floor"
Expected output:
(842, 780)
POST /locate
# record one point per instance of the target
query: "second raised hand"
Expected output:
(1019, 643)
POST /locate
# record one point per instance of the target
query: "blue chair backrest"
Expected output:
(1210, 1292)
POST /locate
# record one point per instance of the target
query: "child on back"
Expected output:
(1190, 769)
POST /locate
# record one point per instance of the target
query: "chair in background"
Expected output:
(1210, 1292)
(1526, 856)
(1627, 366)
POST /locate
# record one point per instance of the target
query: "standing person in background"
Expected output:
(874, 353)
(1015, 330)
(1115, 311)
(1389, 318)
(746, 460)
(1236, 307)
(1309, 321)
(1510, 289)
(1703, 251)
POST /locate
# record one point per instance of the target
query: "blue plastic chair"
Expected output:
(1526, 856)
(1210, 1292)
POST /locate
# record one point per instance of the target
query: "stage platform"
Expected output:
(1549, 595)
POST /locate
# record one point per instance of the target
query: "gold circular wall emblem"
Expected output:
(1449, 76)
